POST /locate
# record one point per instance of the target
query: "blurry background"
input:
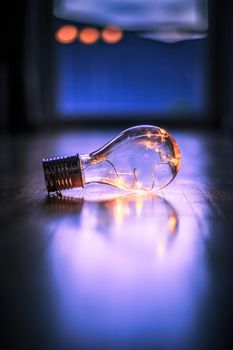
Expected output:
(101, 271)
(111, 61)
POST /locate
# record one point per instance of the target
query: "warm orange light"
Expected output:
(66, 34)
(118, 212)
(139, 204)
(172, 223)
(89, 35)
(112, 35)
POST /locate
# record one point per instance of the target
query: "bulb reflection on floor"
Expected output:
(125, 271)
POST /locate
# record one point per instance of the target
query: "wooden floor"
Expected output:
(109, 270)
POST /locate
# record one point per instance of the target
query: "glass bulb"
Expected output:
(141, 158)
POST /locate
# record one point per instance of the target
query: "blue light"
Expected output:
(134, 77)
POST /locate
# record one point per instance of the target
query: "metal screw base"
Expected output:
(62, 173)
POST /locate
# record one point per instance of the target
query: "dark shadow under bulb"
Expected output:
(141, 158)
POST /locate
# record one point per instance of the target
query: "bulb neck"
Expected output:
(62, 173)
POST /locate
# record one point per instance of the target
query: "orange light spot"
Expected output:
(66, 34)
(139, 205)
(89, 35)
(119, 182)
(118, 212)
(112, 35)
(172, 224)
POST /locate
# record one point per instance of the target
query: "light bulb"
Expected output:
(141, 158)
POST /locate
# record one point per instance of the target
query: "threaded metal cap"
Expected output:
(62, 173)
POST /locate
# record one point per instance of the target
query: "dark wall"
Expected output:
(12, 87)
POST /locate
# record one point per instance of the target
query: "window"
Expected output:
(134, 77)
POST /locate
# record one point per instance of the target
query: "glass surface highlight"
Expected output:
(142, 158)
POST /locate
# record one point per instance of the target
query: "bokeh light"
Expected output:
(112, 35)
(66, 34)
(89, 35)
